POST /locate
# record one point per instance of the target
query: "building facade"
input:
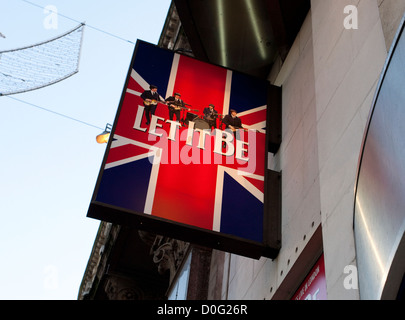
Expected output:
(329, 63)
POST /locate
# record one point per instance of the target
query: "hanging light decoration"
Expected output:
(40, 65)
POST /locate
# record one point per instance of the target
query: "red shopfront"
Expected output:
(314, 285)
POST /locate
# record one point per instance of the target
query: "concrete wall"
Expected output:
(391, 12)
(329, 80)
(348, 64)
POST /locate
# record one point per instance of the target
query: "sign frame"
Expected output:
(271, 244)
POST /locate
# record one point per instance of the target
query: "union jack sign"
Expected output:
(206, 179)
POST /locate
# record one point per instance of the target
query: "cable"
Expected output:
(89, 26)
(54, 112)
(42, 64)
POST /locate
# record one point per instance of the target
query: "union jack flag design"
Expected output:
(176, 173)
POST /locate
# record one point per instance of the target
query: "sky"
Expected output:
(50, 163)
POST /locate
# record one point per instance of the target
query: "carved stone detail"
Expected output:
(167, 253)
(121, 289)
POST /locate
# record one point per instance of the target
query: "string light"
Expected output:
(40, 65)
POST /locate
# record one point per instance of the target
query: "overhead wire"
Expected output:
(69, 18)
(54, 112)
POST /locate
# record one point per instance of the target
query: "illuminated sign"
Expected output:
(180, 163)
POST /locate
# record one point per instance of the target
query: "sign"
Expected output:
(172, 168)
(314, 285)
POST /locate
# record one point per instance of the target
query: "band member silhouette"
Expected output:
(175, 106)
(211, 115)
(232, 121)
(150, 100)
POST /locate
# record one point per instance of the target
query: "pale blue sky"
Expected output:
(49, 164)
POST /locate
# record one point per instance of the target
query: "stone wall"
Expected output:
(329, 80)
